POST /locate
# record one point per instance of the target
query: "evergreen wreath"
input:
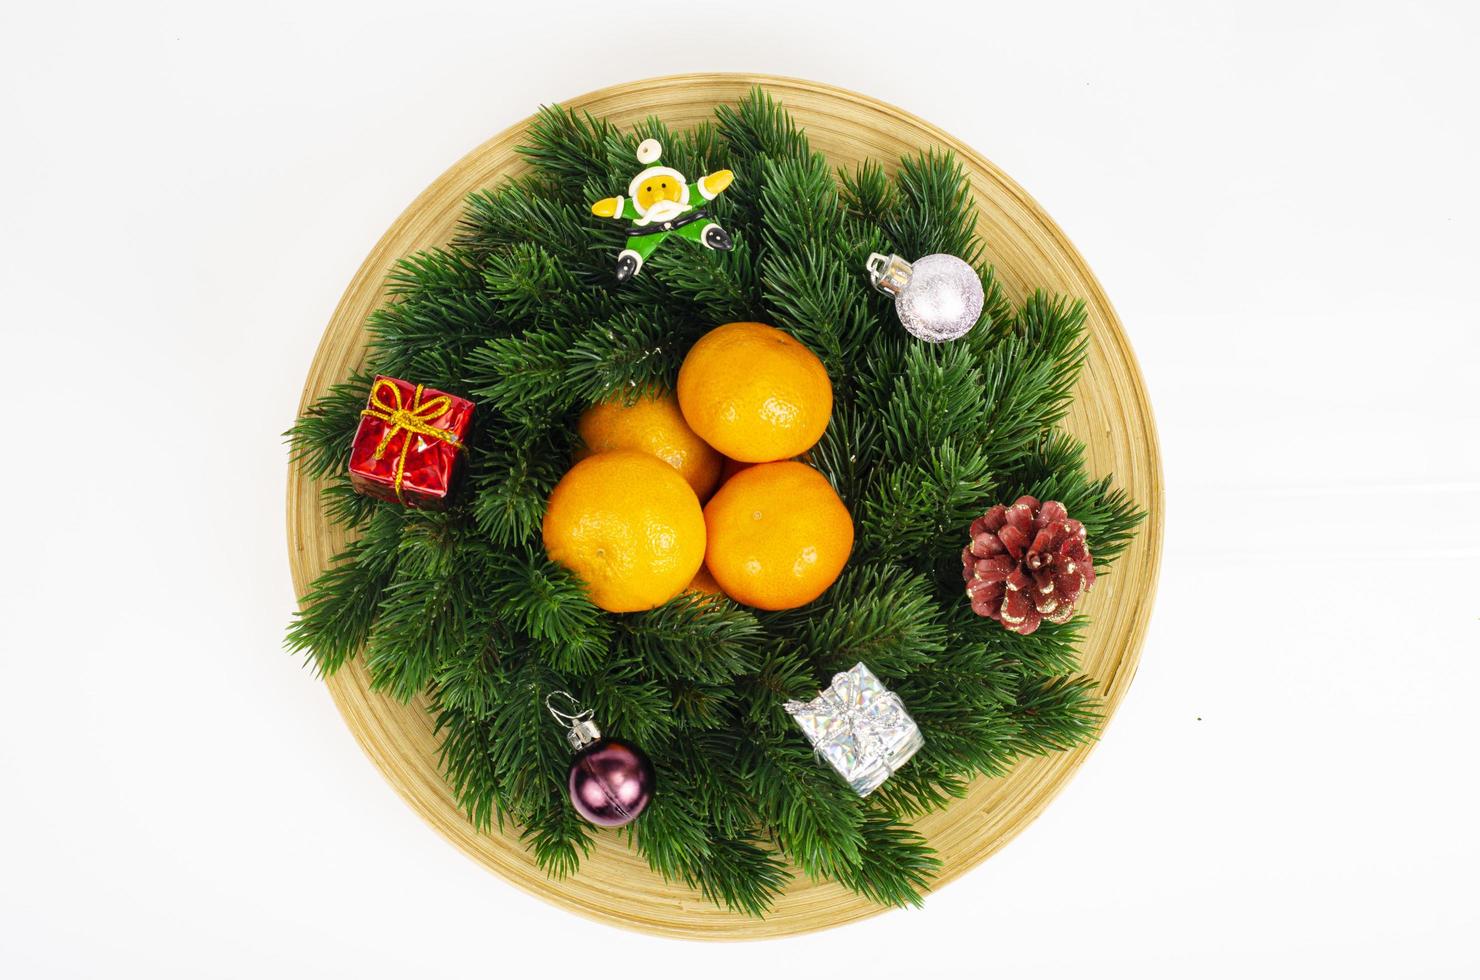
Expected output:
(519, 314)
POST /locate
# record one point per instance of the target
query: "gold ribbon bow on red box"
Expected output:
(387, 405)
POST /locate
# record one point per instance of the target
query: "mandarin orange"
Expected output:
(755, 393)
(704, 583)
(629, 527)
(778, 535)
(653, 424)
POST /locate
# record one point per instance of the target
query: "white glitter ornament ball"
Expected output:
(938, 297)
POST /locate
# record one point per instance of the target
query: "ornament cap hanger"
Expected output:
(889, 273)
(580, 730)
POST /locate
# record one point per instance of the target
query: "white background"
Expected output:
(1279, 198)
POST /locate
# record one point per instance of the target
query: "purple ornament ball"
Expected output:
(611, 782)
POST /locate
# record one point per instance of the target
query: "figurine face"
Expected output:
(659, 187)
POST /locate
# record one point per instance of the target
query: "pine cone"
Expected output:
(1026, 563)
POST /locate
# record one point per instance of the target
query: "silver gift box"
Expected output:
(860, 727)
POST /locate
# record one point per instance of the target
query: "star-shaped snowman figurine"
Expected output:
(661, 202)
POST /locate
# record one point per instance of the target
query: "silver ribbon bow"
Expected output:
(860, 727)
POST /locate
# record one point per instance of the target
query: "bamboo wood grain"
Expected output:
(1111, 414)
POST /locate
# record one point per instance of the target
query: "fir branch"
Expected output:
(967, 731)
(733, 872)
(716, 287)
(740, 875)
(626, 355)
(939, 396)
(785, 674)
(546, 603)
(915, 510)
(759, 128)
(707, 761)
(1057, 714)
(884, 616)
(707, 639)
(814, 297)
(870, 196)
(700, 705)
(338, 611)
(934, 212)
(448, 277)
(927, 783)
(814, 257)
(472, 685)
(565, 148)
(1029, 377)
(438, 307)
(557, 835)
(512, 478)
(320, 437)
(811, 814)
(506, 218)
(426, 613)
(1048, 652)
(895, 865)
(466, 758)
(524, 376)
(672, 836)
(847, 451)
(531, 286)
(631, 704)
(343, 504)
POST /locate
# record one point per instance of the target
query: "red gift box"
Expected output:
(409, 442)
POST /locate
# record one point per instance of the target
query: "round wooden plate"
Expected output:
(1111, 414)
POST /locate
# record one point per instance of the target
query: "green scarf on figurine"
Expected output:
(660, 202)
